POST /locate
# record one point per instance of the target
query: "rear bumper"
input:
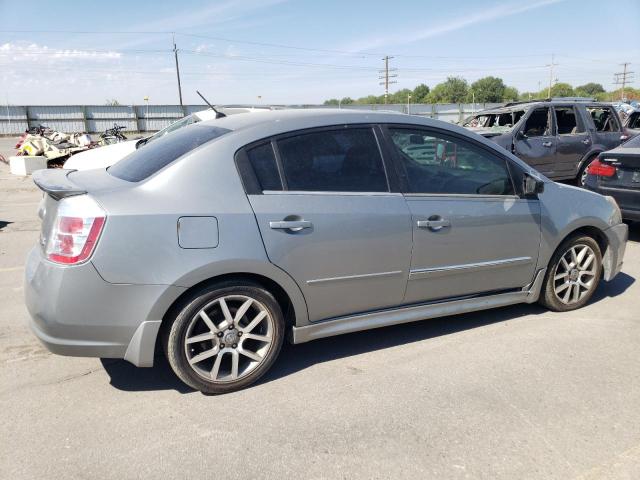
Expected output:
(617, 239)
(628, 199)
(75, 312)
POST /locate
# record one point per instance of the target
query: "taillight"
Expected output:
(601, 169)
(75, 231)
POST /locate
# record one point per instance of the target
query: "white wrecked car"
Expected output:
(106, 156)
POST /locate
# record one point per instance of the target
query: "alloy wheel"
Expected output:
(574, 276)
(229, 338)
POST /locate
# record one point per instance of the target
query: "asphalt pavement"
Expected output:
(513, 393)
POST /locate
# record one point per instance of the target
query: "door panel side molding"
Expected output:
(352, 277)
(413, 313)
(419, 273)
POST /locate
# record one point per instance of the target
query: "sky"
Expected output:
(305, 51)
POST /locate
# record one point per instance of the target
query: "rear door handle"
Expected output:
(434, 225)
(293, 225)
(547, 144)
(586, 141)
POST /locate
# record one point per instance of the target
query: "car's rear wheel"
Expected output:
(582, 175)
(225, 338)
(573, 274)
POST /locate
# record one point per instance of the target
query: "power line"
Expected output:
(622, 78)
(386, 76)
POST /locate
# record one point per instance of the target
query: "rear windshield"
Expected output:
(151, 158)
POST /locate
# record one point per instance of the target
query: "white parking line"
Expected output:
(11, 269)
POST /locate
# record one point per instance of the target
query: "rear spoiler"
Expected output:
(56, 183)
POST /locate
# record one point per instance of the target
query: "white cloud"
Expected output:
(407, 36)
(20, 52)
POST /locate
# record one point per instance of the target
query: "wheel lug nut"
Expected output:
(231, 327)
(219, 334)
(234, 345)
(239, 334)
(222, 345)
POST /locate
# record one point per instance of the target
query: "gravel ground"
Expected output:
(513, 393)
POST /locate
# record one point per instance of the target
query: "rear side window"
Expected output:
(345, 160)
(603, 119)
(265, 167)
(566, 121)
(151, 158)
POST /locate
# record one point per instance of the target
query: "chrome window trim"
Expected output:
(309, 192)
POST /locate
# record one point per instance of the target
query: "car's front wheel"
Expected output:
(573, 274)
(225, 337)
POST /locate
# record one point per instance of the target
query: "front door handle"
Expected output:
(293, 225)
(547, 144)
(434, 225)
(586, 141)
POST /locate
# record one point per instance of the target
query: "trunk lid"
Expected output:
(627, 163)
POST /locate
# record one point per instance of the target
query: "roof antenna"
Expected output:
(218, 114)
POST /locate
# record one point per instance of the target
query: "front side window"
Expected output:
(538, 124)
(446, 165)
(603, 119)
(345, 160)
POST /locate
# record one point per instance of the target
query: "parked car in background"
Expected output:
(617, 173)
(225, 237)
(106, 156)
(559, 137)
(631, 122)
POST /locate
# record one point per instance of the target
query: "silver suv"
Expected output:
(217, 241)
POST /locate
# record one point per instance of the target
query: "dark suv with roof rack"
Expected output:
(559, 137)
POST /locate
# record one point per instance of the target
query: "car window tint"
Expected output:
(634, 120)
(265, 167)
(444, 165)
(603, 119)
(345, 160)
(151, 158)
(538, 124)
(566, 121)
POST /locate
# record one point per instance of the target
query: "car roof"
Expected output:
(280, 121)
(524, 105)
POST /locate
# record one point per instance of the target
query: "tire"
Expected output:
(582, 174)
(570, 273)
(245, 316)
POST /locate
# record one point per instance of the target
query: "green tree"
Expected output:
(590, 89)
(510, 94)
(488, 89)
(562, 90)
(453, 90)
(420, 94)
(347, 101)
(370, 100)
(331, 101)
(400, 96)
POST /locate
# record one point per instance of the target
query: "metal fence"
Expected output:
(147, 118)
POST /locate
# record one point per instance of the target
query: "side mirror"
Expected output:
(532, 185)
(521, 135)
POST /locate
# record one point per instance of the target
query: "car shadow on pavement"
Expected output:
(295, 358)
(4, 223)
(129, 378)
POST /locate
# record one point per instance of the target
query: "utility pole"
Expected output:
(551, 65)
(175, 54)
(386, 76)
(623, 78)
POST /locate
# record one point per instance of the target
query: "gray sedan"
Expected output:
(216, 242)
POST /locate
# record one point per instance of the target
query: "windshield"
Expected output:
(188, 120)
(146, 161)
